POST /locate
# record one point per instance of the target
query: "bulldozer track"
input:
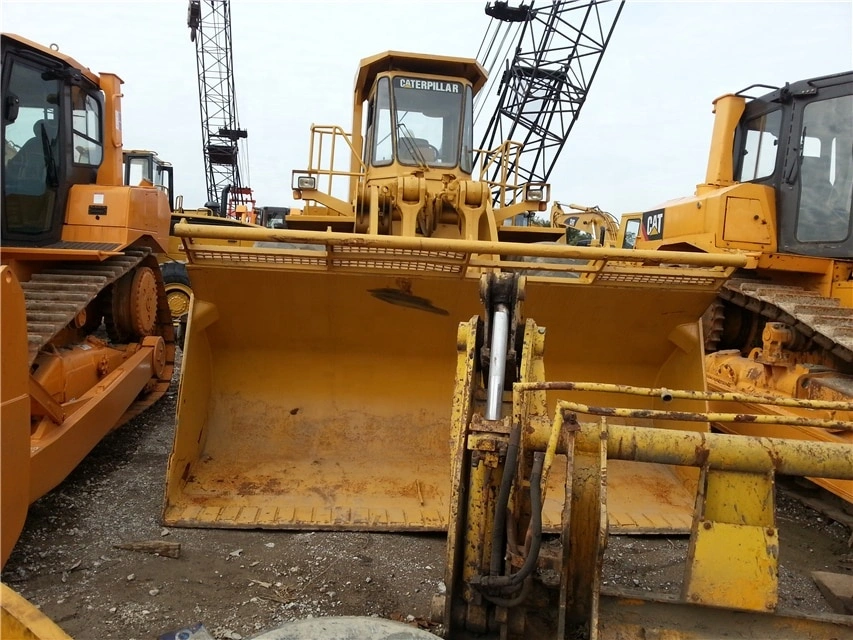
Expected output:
(54, 297)
(822, 320)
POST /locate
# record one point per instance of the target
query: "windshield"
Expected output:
(428, 115)
(826, 171)
(30, 152)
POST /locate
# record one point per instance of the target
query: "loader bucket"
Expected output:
(318, 376)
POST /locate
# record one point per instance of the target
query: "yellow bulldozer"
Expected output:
(87, 338)
(409, 385)
(778, 190)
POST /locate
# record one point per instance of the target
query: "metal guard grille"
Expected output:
(345, 257)
(682, 277)
(359, 258)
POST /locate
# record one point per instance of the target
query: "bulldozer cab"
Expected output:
(52, 138)
(797, 140)
(779, 177)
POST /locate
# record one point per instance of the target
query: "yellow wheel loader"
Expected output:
(778, 191)
(344, 420)
(403, 381)
(87, 338)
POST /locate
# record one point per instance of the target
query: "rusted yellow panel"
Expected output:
(739, 498)
(733, 566)
(584, 536)
(634, 619)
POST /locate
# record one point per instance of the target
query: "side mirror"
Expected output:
(10, 108)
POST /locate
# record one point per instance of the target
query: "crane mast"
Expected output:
(542, 89)
(209, 22)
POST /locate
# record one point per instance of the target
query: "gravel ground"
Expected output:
(239, 583)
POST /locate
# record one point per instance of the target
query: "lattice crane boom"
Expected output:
(542, 89)
(226, 170)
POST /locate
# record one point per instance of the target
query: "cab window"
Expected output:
(31, 152)
(826, 171)
(760, 147)
(383, 150)
(428, 121)
(87, 121)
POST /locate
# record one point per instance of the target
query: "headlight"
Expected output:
(306, 182)
(534, 194)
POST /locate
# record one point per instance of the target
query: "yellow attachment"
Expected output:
(318, 380)
(20, 620)
(732, 561)
(732, 558)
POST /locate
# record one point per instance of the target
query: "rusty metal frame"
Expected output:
(734, 505)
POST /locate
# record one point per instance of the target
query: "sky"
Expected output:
(641, 138)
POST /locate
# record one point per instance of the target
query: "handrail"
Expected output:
(316, 163)
(329, 238)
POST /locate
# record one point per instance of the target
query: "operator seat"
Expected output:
(30, 199)
(412, 150)
(26, 171)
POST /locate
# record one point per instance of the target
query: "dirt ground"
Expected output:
(240, 583)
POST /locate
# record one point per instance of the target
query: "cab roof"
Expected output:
(446, 66)
(53, 53)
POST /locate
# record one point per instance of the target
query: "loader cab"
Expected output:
(416, 112)
(799, 141)
(142, 165)
(420, 121)
(52, 128)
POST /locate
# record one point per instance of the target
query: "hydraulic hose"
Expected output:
(513, 601)
(503, 500)
(510, 583)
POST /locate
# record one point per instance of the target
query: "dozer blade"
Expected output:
(318, 378)
(14, 414)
